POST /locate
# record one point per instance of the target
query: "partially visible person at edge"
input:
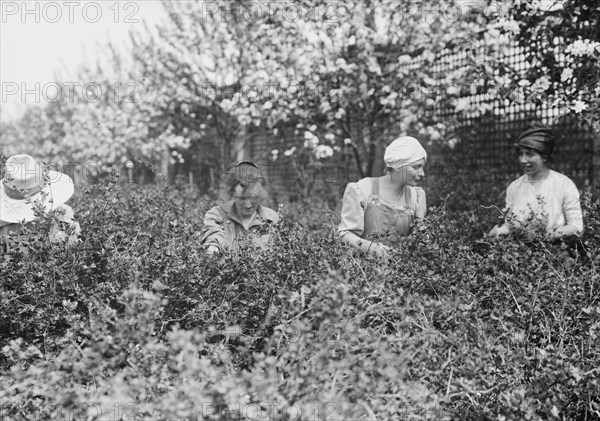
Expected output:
(378, 211)
(541, 194)
(243, 216)
(25, 185)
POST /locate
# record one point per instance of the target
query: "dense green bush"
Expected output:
(136, 322)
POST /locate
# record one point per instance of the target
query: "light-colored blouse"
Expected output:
(64, 229)
(553, 201)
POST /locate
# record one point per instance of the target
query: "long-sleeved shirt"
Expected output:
(65, 229)
(223, 227)
(554, 200)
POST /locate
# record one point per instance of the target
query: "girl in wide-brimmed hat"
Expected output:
(378, 211)
(541, 195)
(26, 185)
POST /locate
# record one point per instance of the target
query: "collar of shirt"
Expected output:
(259, 217)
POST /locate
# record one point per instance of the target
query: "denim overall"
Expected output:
(385, 222)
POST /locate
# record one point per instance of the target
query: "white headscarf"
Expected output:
(403, 151)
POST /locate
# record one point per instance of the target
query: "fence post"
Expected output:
(596, 160)
(165, 163)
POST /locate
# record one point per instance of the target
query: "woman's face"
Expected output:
(248, 199)
(531, 161)
(410, 175)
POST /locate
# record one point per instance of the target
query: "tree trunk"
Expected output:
(596, 160)
(378, 164)
(165, 163)
(239, 151)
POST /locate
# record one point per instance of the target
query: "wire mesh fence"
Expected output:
(486, 123)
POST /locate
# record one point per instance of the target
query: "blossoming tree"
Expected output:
(562, 44)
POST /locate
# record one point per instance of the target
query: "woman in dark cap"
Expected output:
(541, 195)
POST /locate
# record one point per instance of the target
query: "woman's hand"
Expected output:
(210, 250)
(564, 231)
(380, 250)
(499, 230)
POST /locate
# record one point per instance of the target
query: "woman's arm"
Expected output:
(572, 211)
(498, 230)
(352, 223)
(367, 246)
(213, 233)
(421, 203)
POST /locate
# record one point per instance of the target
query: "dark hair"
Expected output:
(243, 174)
(539, 138)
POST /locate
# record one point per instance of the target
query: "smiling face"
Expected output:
(409, 175)
(247, 199)
(531, 162)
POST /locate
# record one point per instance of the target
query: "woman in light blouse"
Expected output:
(378, 211)
(541, 194)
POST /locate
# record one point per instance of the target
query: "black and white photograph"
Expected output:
(299, 210)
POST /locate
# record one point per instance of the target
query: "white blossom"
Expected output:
(244, 120)
(340, 113)
(310, 140)
(542, 84)
(452, 90)
(433, 133)
(547, 5)
(462, 104)
(582, 48)
(578, 106)
(323, 151)
(566, 74)
(227, 105)
(509, 25)
(325, 107)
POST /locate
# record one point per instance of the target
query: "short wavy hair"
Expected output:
(245, 174)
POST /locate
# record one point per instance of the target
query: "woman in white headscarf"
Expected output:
(377, 211)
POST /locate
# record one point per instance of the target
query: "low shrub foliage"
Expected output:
(137, 322)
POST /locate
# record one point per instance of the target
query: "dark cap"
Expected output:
(538, 138)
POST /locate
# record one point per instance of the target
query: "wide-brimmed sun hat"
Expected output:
(26, 182)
